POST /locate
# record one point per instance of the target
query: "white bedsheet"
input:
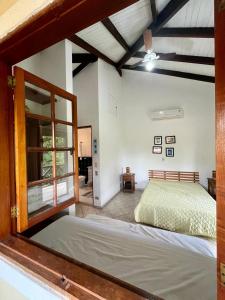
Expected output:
(203, 246)
(163, 269)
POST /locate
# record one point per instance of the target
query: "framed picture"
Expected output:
(157, 140)
(157, 150)
(170, 139)
(169, 152)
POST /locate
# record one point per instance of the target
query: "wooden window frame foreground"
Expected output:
(220, 142)
(53, 24)
(23, 77)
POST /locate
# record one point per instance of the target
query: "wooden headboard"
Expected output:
(174, 175)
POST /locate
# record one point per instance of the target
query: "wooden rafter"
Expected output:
(186, 32)
(182, 58)
(173, 73)
(115, 33)
(68, 16)
(83, 57)
(165, 15)
(153, 10)
(78, 69)
(81, 43)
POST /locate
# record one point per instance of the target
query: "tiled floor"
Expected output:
(86, 194)
(121, 207)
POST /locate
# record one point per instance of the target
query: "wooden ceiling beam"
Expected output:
(173, 73)
(186, 32)
(83, 57)
(81, 43)
(164, 16)
(115, 33)
(61, 19)
(153, 10)
(203, 60)
(80, 68)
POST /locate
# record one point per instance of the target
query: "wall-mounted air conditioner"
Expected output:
(175, 113)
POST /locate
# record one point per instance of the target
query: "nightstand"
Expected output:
(212, 187)
(128, 180)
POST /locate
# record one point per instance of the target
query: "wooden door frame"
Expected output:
(83, 127)
(220, 139)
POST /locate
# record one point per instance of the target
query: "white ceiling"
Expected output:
(132, 21)
(196, 13)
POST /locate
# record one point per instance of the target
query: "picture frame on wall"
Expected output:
(171, 139)
(170, 152)
(157, 150)
(157, 140)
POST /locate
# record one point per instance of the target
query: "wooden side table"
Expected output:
(128, 180)
(212, 187)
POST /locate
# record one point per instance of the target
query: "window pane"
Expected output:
(65, 189)
(64, 136)
(38, 101)
(39, 165)
(38, 133)
(64, 162)
(63, 109)
(40, 198)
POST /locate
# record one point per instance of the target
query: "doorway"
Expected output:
(85, 161)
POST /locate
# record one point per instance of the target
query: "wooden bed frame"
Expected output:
(174, 175)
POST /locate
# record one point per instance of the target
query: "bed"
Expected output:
(175, 201)
(144, 257)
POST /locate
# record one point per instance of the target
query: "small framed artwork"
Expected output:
(170, 139)
(157, 140)
(169, 152)
(157, 150)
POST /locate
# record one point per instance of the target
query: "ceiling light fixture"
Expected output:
(149, 66)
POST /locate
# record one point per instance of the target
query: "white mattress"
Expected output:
(203, 246)
(144, 260)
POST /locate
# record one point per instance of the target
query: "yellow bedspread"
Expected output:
(178, 206)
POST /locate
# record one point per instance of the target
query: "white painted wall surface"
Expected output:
(32, 64)
(109, 87)
(195, 133)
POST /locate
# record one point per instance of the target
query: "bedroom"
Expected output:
(116, 117)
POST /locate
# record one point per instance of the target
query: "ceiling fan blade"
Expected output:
(167, 55)
(148, 40)
(137, 64)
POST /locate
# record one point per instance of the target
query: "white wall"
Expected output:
(195, 134)
(109, 86)
(98, 89)
(32, 64)
(53, 64)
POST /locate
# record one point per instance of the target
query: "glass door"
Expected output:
(45, 148)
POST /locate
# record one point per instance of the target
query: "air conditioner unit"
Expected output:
(175, 113)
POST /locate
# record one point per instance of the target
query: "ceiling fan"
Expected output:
(150, 56)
